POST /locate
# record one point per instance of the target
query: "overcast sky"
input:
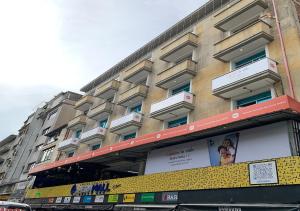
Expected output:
(48, 46)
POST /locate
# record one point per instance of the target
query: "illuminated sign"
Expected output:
(51, 200)
(170, 196)
(147, 197)
(113, 198)
(67, 199)
(58, 200)
(76, 199)
(87, 199)
(99, 199)
(128, 198)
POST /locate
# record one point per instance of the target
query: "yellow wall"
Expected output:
(233, 176)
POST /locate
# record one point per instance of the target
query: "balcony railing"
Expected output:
(84, 103)
(253, 76)
(139, 72)
(177, 74)
(101, 111)
(175, 105)
(108, 89)
(179, 48)
(239, 13)
(93, 136)
(133, 95)
(126, 123)
(68, 144)
(246, 40)
(77, 122)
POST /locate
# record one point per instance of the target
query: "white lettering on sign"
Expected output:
(263, 173)
(229, 209)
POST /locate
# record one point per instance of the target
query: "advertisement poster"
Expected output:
(223, 149)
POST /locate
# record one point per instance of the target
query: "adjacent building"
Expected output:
(203, 117)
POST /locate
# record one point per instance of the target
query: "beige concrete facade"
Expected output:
(200, 42)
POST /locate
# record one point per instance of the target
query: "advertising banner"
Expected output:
(182, 156)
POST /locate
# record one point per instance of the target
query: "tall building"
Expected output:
(203, 117)
(35, 143)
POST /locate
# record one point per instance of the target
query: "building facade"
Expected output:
(203, 117)
(35, 143)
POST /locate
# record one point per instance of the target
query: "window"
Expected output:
(78, 134)
(129, 136)
(52, 115)
(96, 146)
(177, 122)
(262, 97)
(47, 154)
(103, 123)
(70, 154)
(137, 108)
(250, 59)
(110, 99)
(2, 175)
(45, 131)
(183, 88)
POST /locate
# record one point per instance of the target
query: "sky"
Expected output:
(49, 46)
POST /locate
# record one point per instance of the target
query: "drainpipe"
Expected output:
(285, 61)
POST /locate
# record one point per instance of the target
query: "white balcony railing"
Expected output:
(98, 131)
(71, 143)
(134, 116)
(244, 72)
(171, 101)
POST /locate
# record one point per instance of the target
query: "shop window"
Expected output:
(95, 147)
(177, 122)
(183, 88)
(137, 108)
(103, 123)
(258, 56)
(129, 136)
(262, 97)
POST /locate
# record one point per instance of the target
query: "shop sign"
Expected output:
(87, 199)
(76, 199)
(51, 200)
(58, 200)
(147, 197)
(170, 196)
(99, 199)
(129, 198)
(113, 198)
(67, 199)
(229, 209)
(263, 173)
(89, 189)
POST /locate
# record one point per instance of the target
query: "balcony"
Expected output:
(68, 144)
(107, 90)
(173, 106)
(101, 111)
(253, 76)
(133, 95)
(78, 122)
(84, 103)
(239, 14)
(179, 73)
(127, 123)
(249, 39)
(93, 136)
(179, 48)
(139, 72)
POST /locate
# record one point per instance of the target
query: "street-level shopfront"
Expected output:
(253, 168)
